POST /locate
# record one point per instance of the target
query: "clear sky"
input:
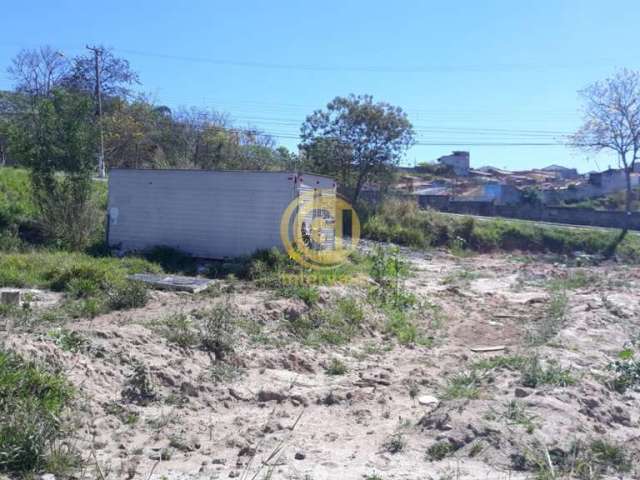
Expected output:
(467, 72)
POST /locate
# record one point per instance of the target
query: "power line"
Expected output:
(353, 68)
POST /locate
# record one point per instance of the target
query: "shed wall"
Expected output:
(207, 214)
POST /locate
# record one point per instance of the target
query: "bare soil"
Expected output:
(281, 414)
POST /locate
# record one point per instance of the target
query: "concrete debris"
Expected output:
(173, 282)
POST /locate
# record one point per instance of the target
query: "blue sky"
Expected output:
(466, 72)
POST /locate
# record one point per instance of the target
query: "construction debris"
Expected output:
(173, 282)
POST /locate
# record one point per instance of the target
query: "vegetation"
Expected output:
(440, 450)
(32, 402)
(336, 367)
(626, 369)
(93, 285)
(535, 374)
(402, 222)
(356, 141)
(585, 459)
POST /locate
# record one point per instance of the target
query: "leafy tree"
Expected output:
(357, 140)
(56, 140)
(612, 121)
(116, 75)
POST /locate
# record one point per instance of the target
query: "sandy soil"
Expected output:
(284, 416)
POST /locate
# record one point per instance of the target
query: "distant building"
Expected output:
(498, 193)
(562, 172)
(611, 180)
(458, 161)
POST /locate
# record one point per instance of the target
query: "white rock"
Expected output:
(428, 400)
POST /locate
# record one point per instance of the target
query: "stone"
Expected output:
(10, 297)
(521, 392)
(299, 456)
(428, 400)
(270, 396)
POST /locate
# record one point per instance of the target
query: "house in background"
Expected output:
(458, 161)
(562, 172)
(612, 180)
(498, 193)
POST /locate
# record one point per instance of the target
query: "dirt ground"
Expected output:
(281, 416)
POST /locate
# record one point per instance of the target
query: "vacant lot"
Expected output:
(362, 376)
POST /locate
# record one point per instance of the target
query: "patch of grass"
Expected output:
(68, 340)
(32, 400)
(463, 385)
(336, 367)
(309, 294)
(585, 460)
(552, 320)
(515, 412)
(573, 280)
(461, 277)
(440, 450)
(93, 285)
(178, 328)
(507, 362)
(535, 374)
(335, 325)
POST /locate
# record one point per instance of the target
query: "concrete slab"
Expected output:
(173, 282)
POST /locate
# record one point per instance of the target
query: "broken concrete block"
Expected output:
(10, 297)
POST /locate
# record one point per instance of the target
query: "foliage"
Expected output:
(32, 400)
(217, 330)
(394, 444)
(93, 285)
(334, 325)
(463, 385)
(138, 387)
(612, 120)
(178, 328)
(126, 295)
(336, 367)
(535, 374)
(402, 222)
(57, 142)
(356, 140)
(440, 450)
(627, 369)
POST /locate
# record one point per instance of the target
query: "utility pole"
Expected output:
(97, 53)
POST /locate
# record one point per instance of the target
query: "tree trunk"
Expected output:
(629, 198)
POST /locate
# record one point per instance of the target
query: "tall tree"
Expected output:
(37, 72)
(612, 121)
(356, 139)
(56, 140)
(116, 75)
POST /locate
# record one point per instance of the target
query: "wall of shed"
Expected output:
(204, 213)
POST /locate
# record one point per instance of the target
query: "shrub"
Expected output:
(440, 450)
(138, 388)
(627, 370)
(394, 444)
(32, 400)
(128, 294)
(217, 330)
(178, 328)
(463, 385)
(336, 367)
